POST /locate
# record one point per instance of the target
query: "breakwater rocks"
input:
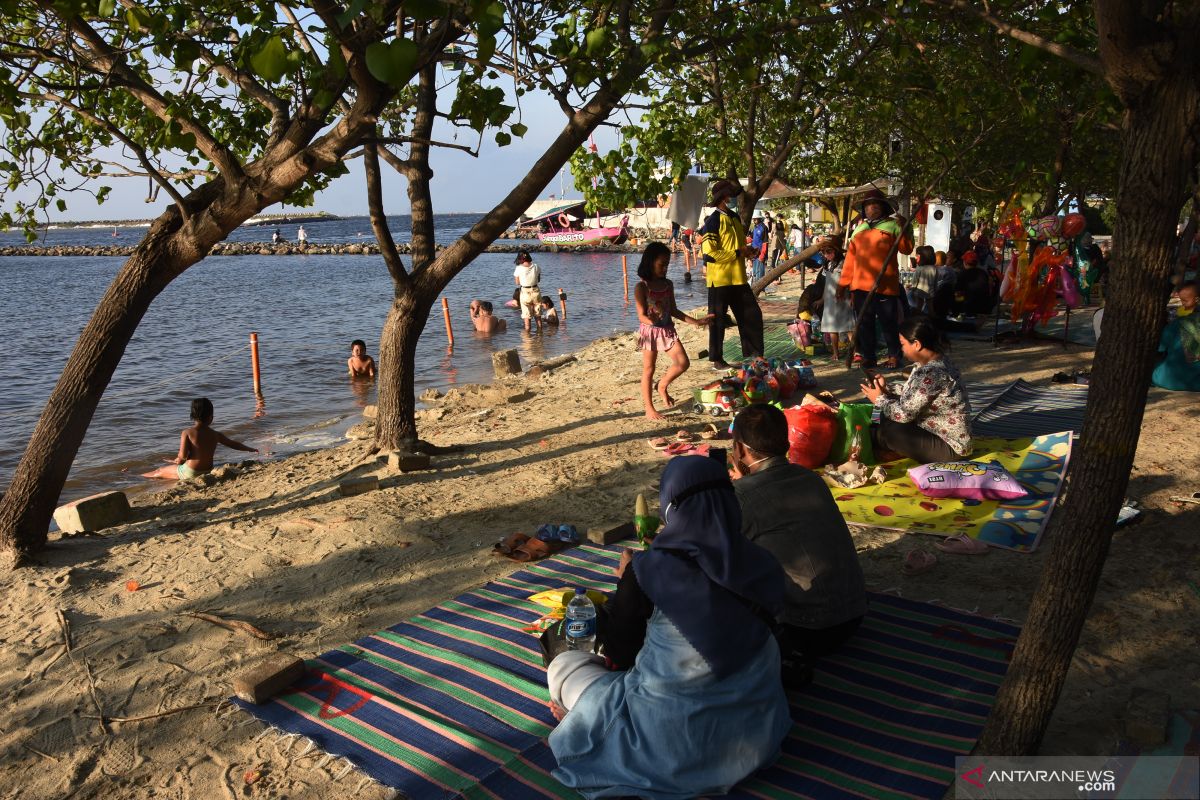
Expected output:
(311, 249)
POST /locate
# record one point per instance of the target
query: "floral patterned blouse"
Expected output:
(933, 397)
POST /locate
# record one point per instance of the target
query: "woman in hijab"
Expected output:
(695, 702)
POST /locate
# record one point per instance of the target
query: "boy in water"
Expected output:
(359, 363)
(197, 445)
(483, 319)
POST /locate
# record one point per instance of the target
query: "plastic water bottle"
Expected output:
(581, 622)
(856, 444)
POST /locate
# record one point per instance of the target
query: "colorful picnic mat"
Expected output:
(1039, 464)
(777, 342)
(1016, 409)
(453, 702)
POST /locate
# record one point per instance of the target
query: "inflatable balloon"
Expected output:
(1045, 227)
(1073, 225)
(1070, 290)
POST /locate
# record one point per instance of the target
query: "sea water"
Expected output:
(305, 309)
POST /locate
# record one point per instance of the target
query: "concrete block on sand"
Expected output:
(407, 462)
(370, 412)
(268, 678)
(1147, 717)
(607, 534)
(93, 513)
(353, 486)
(506, 363)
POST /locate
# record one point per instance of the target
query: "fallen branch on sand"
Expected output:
(232, 624)
(87, 670)
(167, 713)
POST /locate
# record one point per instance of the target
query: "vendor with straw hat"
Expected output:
(871, 263)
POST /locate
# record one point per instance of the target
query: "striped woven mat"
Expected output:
(453, 701)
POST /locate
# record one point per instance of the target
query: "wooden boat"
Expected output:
(559, 230)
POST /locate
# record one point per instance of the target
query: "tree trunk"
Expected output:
(1159, 150)
(396, 425)
(29, 502)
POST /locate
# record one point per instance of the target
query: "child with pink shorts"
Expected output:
(655, 297)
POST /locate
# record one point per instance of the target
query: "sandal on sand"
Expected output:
(659, 443)
(963, 545)
(679, 448)
(918, 561)
(508, 545)
(531, 550)
(710, 431)
(685, 436)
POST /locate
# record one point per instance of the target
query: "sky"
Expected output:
(461, 183)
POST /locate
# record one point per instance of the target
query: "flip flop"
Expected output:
(918, 561)
(659, 443)
(531, 550)
(679, 448)
(963, 545)
(710, 431)
(567, 534)
(685, 436)
(509, 544)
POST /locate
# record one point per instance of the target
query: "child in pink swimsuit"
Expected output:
(655, 296)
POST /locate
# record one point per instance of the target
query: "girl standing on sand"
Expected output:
(657, 312)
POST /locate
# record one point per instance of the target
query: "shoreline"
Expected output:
(274, 544)
(292, 249)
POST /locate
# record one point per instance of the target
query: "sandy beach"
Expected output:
(274, 544)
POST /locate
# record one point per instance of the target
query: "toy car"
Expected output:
(717, 399)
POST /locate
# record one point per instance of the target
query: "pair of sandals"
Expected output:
(682, 437)
(523, 548)
(918, 561)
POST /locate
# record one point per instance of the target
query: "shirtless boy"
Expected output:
(359, 363)
(483, 319)
(197, 445)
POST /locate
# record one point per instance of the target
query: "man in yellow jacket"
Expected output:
(869, 246)
(725, 253)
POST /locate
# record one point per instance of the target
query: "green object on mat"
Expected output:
(849, 416)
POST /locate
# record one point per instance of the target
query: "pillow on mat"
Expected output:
(969, 480)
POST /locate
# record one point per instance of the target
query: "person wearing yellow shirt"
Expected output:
(725, 253)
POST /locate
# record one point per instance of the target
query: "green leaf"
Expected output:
(518, 129)
(503, 139)
(137, 18)
(595, 41)
(106, 8)
(270, 62)
(394, 63)
(424, 9)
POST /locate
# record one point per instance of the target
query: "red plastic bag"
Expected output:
(811, 429)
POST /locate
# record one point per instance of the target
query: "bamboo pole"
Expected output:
(254, 365)
(625, 275)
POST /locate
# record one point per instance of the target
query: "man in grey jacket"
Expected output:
(789, 511)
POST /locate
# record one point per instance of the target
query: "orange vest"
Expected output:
(868, 248)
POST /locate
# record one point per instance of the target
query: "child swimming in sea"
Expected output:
(197, 445)
(547, 310)
(656, 310)
(359, 363)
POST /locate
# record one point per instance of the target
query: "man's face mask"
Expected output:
(732, 205)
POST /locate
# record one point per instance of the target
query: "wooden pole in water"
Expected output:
(625, 275)
(254, 363)
(562, 302)
(446, 314)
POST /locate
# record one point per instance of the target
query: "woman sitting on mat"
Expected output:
(928, 417)
(695, 702)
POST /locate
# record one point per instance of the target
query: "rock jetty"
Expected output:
(315, 249)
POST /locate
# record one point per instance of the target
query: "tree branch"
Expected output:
(1084, 61)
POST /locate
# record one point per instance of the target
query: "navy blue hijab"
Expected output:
(712, 582)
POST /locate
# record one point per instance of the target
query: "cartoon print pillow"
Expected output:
(968, 480)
